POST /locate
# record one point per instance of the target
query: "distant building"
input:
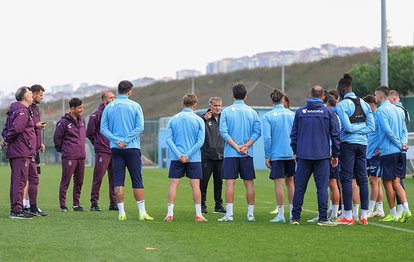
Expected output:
(66, 88)
(273, 59)
(186, 73)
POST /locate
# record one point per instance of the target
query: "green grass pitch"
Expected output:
(99, 236)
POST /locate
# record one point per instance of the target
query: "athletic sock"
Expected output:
(380, 207)
(335, 210)
(399, 209)
(355, 211)
(250, 210)
(371, 206)
(348, 214)
(330, 204)
(229, 209)
(393, 212)
(141, 207)
(198, 210)
(281, 211)
(121, 208)
(26, 203)
(364, 214)
(170, 209)
(405, 207)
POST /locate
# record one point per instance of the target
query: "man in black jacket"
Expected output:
(212, 155)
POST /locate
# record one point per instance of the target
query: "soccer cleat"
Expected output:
(379, 214)
(95, 208)
(370, 215)
(313, 220)
(204, 209)
(405, 216)
(225, 219)
(145, 217)
(326, 223)
(329, 212)
(78, 208)
(348, 222)
(334, 219)
(122, 217)
(63, 209)
(389, 218)
(21, 215)
(113, 207)
(250, 218)
(274, 212)
(169, 218)
(295, 222)
(363, 221)
(278, 219)
(38, 213)
(219, 210)
(200, 219)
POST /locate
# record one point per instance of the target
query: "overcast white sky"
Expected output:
(104, 41)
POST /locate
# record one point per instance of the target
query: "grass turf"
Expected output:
(99, 236)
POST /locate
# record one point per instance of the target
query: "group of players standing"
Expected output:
(336, 141)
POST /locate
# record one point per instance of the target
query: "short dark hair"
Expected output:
(75, 102)
(124, 87)
(331, 101)
(344, 85)
(21, 92)
(383, 89)
(239, 92)
(370, 99)
(189, 100)
(334, 93)
(37, 88)
(317, 92)
(276, 96)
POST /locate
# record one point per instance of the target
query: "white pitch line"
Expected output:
(373, 223)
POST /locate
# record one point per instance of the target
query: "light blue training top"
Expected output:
(355, 133)
(241, 123)
(277, 126)
(123, 121)
(185, 135)
(373, 139)
(392, 130)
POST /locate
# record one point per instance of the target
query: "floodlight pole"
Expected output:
(384, 48)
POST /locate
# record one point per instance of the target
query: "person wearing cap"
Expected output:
(69, 140)
(20, 140)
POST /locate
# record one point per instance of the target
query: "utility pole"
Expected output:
(192, 84)
(384, 47)
(283, 78)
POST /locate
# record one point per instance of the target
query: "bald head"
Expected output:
(107, 97)
(317, 92)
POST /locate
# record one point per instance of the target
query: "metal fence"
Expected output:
(149, 144)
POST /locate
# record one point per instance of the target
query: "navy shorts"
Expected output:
(233, 166)
(131, 159)
(334, 172)
(282, 169)
(403, 167)
(192, 170)
(391, 166)
(373, 166)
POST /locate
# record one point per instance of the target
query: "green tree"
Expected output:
(400, 73)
